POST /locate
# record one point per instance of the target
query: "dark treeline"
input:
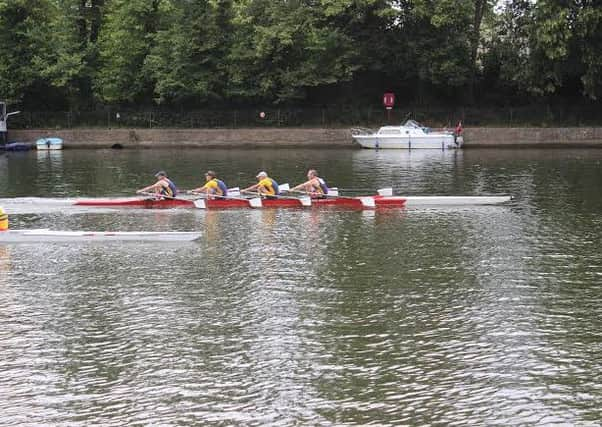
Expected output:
(85, 54)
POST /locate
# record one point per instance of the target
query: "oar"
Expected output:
(255, 202)
(234, 191)
(198, 203)
(160, 196)
(304, 200)
(367, 202)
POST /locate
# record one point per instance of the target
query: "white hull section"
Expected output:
(419, 201)
(36, 236)
(443, 142)
(49, 148)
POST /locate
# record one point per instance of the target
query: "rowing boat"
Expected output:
(44, 235)
(150, 203)
(343, 202)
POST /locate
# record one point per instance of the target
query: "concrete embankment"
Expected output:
(298, 137)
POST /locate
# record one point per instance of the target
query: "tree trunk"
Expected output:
(479, 10)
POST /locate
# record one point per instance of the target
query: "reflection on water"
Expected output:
(485, 315)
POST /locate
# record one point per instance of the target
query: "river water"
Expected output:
(439, 316)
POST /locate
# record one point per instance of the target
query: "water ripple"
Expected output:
(474, 316)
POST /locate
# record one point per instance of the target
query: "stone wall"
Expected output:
(533, 137)
(149, 138)
(297, 137)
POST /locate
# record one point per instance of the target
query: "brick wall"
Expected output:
(297, 137)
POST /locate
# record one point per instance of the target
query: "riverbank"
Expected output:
(298, 137)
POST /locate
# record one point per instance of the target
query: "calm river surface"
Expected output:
(441, 316)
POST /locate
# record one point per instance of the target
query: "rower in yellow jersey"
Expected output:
(214, 188)
(3, 220)
(265, 186)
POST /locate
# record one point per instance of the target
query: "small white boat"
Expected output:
(409, 136)
(44, 235)
(52, 143)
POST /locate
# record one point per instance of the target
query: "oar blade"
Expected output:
(255, 202)
(367, 202)
(386, 192)
(333, 192)
(200, 204)
(284, 187)
(234, 191)
(305, 201)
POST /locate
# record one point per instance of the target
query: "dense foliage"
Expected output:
(77, 54)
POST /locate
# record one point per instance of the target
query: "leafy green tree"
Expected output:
(41, 50)
(186, 60)
(589, 31)
(61, 59)
(551, 47)
(282, 48)
(436, 46)
(22, 45)
(124, 42)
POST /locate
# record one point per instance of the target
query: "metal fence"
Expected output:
(332, 116)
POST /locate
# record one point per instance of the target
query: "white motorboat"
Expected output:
(409, 136)
(44, 235)
(53, 143)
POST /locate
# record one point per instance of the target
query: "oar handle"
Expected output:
(165, 196)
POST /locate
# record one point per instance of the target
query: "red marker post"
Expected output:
(389, 102)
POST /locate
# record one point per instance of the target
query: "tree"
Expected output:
(20, 44)
(124, 42)
(187, 57)
(282, 48)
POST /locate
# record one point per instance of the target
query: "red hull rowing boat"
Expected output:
(345, 202)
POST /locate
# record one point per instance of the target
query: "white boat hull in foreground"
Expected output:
(35, 236)
(409, 136)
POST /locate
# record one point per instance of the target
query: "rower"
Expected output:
(314, 186)
(164, 187)
(213, 188)
(266, 186)
(3, 220)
